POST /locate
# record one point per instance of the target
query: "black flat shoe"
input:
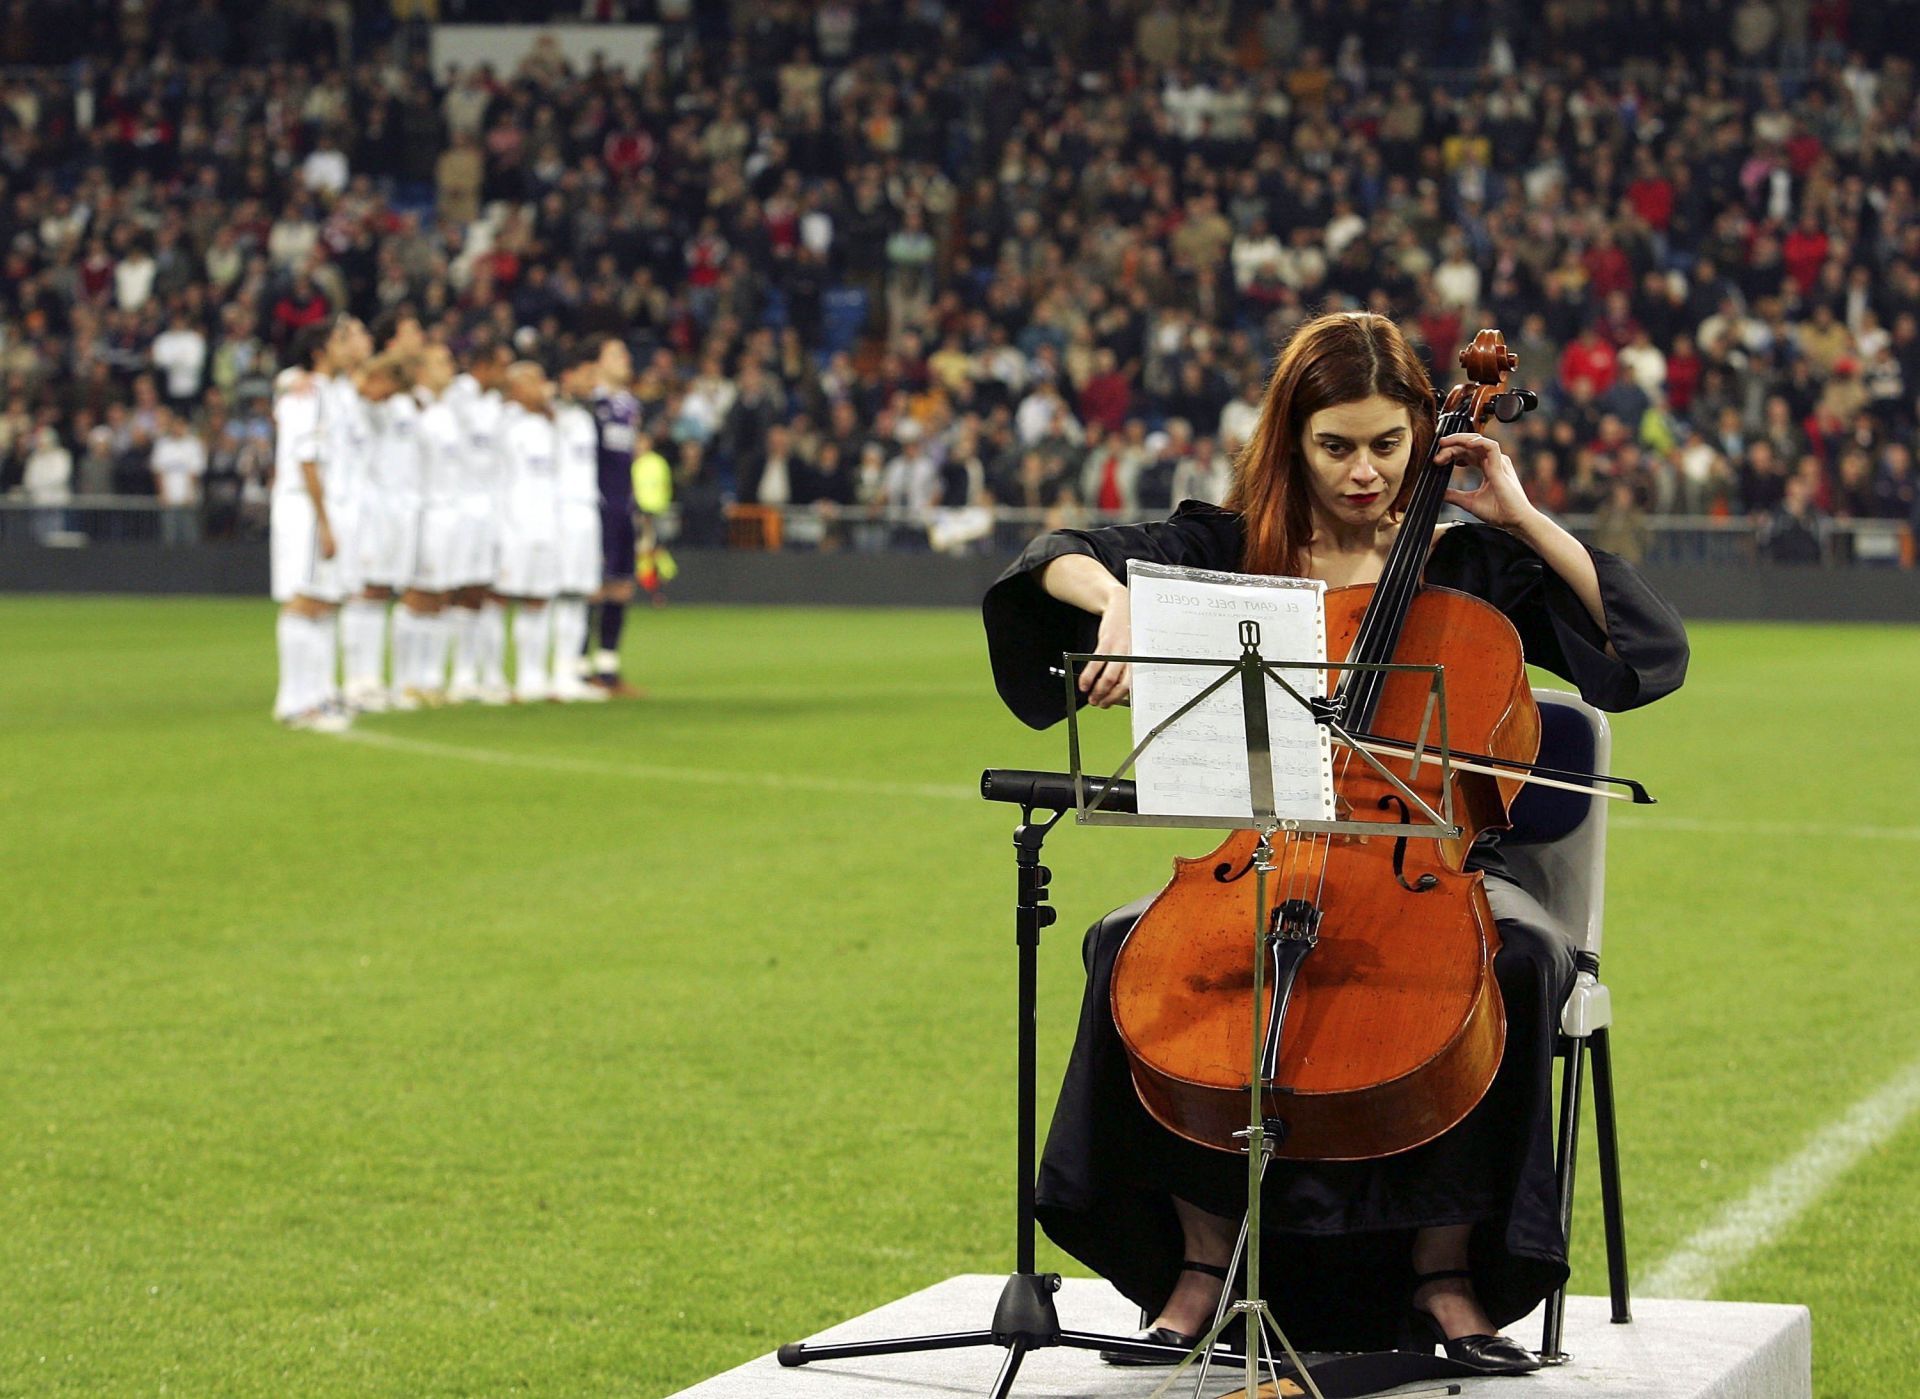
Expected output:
(1158, 1336)
(1166, 1335)
(1487, 1354)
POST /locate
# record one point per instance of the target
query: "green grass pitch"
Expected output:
(553, 1051)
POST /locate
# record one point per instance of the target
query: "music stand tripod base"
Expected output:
(1025, 1320)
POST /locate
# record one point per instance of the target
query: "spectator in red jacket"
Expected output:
(302, 304)
(1608, 269)
(1683, 374)
(1651, 194)
(1107, 398)
(1805, 252)
(1590, 360)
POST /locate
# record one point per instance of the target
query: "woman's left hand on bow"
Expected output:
(1499, 499)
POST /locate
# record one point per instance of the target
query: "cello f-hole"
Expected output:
(1225, 873)
(1425, 881)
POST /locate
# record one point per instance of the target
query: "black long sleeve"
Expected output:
(1028, 630)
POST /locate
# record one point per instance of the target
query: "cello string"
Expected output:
(1296, 879)
(1289, 885)
(1320, 890)
(1401, 578)
(1369, 640)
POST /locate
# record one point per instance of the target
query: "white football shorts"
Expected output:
(475, 545)
(296, 568)
(433, 560)
(580, 548)
(529, 563)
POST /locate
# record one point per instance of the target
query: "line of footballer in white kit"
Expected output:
(458, 496)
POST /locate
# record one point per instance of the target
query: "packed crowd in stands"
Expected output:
(959, 259)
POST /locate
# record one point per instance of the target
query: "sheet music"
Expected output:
(1198, 767)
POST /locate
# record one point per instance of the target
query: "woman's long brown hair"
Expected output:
(1338, 358)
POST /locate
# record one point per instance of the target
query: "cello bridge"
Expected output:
(1297, 920)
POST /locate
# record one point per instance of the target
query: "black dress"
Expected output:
(1337, 1236)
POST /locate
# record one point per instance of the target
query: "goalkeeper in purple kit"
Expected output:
(616, 416)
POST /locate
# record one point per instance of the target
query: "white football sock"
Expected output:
(436, 633)
(288, 640)
(408, 648)
(425, 625)
(532, 631)
(569, 635)
(400, 648)
(465, 625)
(363, 625)
(419, 641)
(324, 644)
(492, 650)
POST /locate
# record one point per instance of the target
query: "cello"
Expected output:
(1388, 1019)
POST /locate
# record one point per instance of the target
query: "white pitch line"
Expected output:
(1748, 1224)
(716, 777)
(1713, 826)
(713, 777)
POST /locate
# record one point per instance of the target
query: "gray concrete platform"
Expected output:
(1673, 1350)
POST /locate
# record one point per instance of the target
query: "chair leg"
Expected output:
(1609, 1146)
(1566, 1153)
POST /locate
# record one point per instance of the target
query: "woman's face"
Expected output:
(1356, 454)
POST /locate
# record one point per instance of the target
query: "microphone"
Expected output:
(1053, 791)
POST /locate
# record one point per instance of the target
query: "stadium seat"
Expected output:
(1557, 850)
(753, 527)
(844, 311)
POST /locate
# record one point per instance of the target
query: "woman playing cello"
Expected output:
(1454, 1238)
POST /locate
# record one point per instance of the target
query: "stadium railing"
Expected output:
(980, 529)
(81, 520)
(964, 530)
